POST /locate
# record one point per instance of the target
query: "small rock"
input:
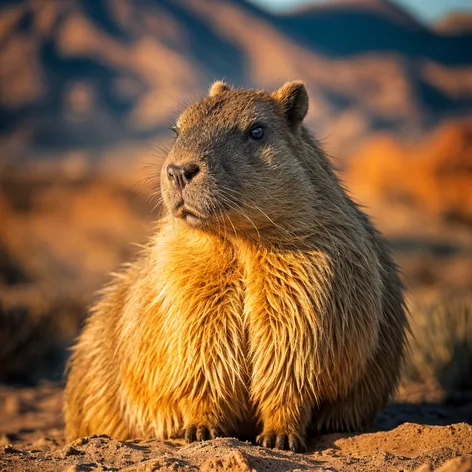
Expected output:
(9, 449)
(235, 461)
(72, 451)
(80, 442)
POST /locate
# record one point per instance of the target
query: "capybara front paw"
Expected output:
(202, 432)
(286, 441)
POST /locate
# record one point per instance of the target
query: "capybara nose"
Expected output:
(182, 175)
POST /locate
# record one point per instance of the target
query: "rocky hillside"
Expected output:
(89, 74)
(457, 23)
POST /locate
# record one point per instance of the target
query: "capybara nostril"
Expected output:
(181, 175)
(190, 171)
(175, 175)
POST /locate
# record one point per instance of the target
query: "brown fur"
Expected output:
(266, 302)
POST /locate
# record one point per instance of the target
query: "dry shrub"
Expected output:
(441, 345)
(60, 237)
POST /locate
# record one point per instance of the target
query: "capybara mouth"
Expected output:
(190, 215)
(192, 218)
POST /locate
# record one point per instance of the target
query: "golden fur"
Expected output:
(265, 304)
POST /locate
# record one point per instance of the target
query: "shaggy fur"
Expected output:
(265, 304)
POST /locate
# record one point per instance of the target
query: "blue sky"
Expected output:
(426, 10)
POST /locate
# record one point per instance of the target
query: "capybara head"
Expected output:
(237, 161)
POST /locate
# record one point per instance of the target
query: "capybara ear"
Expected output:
(293, 98)
(218, 87)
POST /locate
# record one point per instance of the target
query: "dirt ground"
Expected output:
(43, 298)
(410, 434)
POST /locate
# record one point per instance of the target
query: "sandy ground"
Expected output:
(409, 435)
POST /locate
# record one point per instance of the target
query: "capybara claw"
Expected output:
(202, 432)
(283, 441)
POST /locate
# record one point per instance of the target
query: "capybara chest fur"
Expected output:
(266, 305)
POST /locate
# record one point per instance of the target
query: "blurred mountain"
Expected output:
(89, 74)
(455, 23)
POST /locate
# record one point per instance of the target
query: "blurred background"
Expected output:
(89, 90)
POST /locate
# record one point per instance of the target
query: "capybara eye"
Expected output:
(256, 132)
(175, 130)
